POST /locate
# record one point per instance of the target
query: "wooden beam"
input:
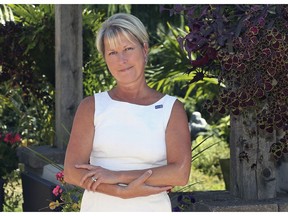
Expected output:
(69, 86)
(253, 175)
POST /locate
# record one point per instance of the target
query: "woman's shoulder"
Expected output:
(89, 100)
(170, 98)
(166, 98)
(174, 102)
(87, 104)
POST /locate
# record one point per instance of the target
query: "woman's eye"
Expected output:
(129, 48)
(111, 53)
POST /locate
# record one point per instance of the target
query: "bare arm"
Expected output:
(178, 142)
(80, 143)
(78, 152)
(177, 170)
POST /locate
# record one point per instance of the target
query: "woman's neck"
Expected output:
(131, 92)
(139, 94)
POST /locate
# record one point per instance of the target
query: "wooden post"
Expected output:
(253, 175)
(69, 86)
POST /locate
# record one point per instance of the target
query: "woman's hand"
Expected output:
(99, 174)
(135, 188)
(138, 187)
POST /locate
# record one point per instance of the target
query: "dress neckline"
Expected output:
(141, 105)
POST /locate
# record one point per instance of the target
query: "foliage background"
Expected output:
(27, 77)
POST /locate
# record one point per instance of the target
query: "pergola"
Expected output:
(68, 71)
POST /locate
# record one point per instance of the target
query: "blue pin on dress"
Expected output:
(159, 106)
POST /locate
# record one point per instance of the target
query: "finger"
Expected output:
(143, 177)
(157, 189)
(164, 188)
(96, 184)
(86, 176)
(84, 166)
(89, 184)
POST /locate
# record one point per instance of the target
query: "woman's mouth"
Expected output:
(125, 69)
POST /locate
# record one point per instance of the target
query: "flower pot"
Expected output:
(37, 193)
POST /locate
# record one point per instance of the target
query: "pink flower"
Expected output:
(10, 139)
(60, 176)
(57, 190)
(17, 138)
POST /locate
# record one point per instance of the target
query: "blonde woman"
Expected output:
(131, 144)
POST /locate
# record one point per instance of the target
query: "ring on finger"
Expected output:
(94, 179)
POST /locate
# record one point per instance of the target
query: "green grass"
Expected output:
(206, 174)
(201, 182)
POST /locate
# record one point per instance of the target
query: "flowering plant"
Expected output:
(68, 197)
(8, 157)
(245, 47)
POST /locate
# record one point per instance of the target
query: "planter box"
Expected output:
(37, 193)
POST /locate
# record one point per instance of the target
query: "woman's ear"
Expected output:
(146, 48)
(146, 51)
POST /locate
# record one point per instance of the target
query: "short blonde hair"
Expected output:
(128, 25)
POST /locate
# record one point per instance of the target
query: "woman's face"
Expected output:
(126, 60)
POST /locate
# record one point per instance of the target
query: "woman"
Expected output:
(131, 144)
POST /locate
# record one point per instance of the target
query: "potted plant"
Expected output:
(245, 47)
(66, 197)
(69, 196)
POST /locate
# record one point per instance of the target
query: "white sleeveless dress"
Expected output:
(128, 137)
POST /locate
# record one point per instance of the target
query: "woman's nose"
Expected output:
(122, 57)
